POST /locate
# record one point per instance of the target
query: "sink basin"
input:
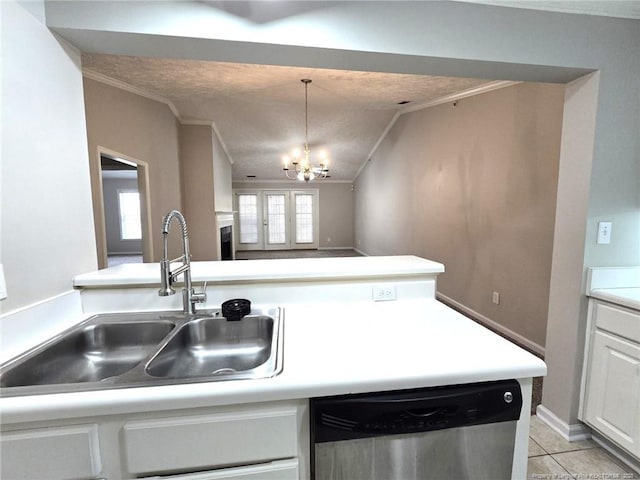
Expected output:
(118, 350)
(214, 346)
(90, 354)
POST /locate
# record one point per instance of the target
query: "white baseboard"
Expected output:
(361, 252)
(336, 248)
(534, 347)
(571, 433)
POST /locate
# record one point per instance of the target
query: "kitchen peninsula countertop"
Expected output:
(329, 349)
(247, 271)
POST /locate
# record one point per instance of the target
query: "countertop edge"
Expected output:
(626, 297)
(189, 396)
(254, 271)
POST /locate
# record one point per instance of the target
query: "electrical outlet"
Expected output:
(384, 293)
(496, 298)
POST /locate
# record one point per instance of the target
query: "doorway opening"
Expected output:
(124, 211)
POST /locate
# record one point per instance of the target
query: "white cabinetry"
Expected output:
(611, 392)
(265, 441)
(199, 442)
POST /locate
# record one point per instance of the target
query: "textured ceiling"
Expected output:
(259, 110)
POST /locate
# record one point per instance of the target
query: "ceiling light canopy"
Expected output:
(304, 170)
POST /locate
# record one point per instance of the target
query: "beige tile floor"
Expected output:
(551, 457)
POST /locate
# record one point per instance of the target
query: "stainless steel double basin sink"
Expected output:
(151, 348)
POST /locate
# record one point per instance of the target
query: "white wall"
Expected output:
(46, 218)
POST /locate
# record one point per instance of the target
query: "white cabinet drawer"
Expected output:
(202, 442)
(57, 453)
(620, 321)
(279, 470)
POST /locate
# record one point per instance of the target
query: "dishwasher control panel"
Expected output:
(418, 410)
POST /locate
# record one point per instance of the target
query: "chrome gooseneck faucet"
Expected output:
(189, 296)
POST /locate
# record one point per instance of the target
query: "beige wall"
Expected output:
(196, 158)
(335, 209)
(138, 128)
(565, 348)
(45, 200)
(474, 187)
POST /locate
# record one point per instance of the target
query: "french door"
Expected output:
(277, 219)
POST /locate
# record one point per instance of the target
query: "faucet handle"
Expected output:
(200, 297)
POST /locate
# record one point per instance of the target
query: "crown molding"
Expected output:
(487, 87)
(102, 78)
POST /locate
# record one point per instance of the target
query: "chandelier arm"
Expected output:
(286, 173)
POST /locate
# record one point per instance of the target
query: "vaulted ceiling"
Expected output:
(258, 110)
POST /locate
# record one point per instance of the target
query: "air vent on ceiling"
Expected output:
(251, 176)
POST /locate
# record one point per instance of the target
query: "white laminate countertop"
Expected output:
(627, 297)
(329, 349)
(336, 268)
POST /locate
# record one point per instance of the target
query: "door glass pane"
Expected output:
(304, 219)
(276, 219)
(248, 218)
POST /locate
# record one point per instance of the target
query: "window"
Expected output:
(248, 216)
(129, 211)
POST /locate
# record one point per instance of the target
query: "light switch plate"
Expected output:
(604, 233)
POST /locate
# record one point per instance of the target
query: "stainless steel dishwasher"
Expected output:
(453, 432)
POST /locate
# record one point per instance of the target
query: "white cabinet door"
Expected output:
(51, 453)
(279, 470)
(613, 390)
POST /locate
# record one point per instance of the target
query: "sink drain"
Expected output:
(222, 371)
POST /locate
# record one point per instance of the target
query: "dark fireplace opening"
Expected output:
(226, 243)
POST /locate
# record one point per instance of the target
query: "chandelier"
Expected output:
(304, 169)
